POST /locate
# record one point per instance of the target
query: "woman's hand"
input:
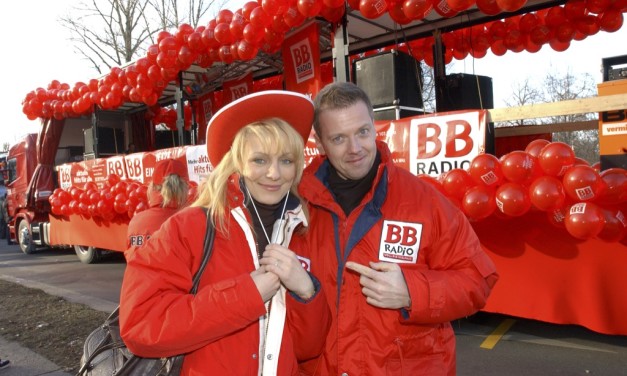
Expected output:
(284, 263)
(267, 283)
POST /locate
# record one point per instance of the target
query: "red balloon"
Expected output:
(460, 5)
(512, 199)
(582, 183)
(293, 18)
(547, 193)
(74, 207)
(519, 167)
(611, 20)
(510, 5)
(584, 220)
(259, 18)
(489, 7)
(120, 207)
(222, 33)
(534, 147)
(486, 169)
(555, 158)
(104, 208)
(478, 202)
(246, 50)
(615, 192)
(416, 9)
(456, 182)
(309, 8)
(615, 226)
(224, 16)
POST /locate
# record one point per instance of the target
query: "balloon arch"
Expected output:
(261, 26)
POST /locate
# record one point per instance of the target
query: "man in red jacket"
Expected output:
(397, 260)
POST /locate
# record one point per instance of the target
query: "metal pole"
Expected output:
(180, 119)
(340, 51)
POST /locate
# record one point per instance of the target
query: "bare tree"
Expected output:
(524, 93)
(558, 87)
(111, 33)
(568, 87)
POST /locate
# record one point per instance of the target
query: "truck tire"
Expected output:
(87, 254)
(24, 237)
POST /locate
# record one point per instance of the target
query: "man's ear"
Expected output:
(319, 144)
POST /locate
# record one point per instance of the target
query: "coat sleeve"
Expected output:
(158, 315)
(458, 276)
(309, 322)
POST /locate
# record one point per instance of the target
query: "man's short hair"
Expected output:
(339, 95)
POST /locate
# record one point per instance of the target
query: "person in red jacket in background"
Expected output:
(396, 259)
(167, 194)
(258, 310)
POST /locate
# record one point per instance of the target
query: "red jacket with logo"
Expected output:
(145, 223)
(220, 329)
(400, 219)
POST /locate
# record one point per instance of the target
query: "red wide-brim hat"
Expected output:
(294, 108)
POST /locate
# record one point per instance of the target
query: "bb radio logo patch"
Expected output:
(303, 61)
(400, 242)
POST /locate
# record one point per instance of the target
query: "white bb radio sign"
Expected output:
(445, 142)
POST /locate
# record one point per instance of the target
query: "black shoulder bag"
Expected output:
(105, 354)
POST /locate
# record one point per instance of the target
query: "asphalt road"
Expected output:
(487, 344)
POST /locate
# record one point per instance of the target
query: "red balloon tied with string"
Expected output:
(584, 220)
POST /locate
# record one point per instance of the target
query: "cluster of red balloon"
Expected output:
(261, 25)
(548, 177)
(556, 26)
(167, 116)
(116, 199)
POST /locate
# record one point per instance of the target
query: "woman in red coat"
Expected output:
(167, 194)
(258, 311)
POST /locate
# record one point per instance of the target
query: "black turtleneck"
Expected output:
(269, 214)
(349, 193)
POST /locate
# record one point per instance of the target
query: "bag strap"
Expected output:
(207, 252)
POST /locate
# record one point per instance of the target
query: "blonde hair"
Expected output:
(173, 189)
(274, 135)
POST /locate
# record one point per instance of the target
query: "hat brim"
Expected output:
(294, 108)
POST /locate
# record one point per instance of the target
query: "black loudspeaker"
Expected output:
(389, 78)
(465, 92)
(394, 113)
(170, 139)
(110, 141)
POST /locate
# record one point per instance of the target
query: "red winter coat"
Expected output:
(145, 223)
(218, 328)
(447, 273)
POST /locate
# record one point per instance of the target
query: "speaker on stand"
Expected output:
(392, 80)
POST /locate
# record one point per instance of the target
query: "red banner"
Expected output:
(237, 88)
(301, 61)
